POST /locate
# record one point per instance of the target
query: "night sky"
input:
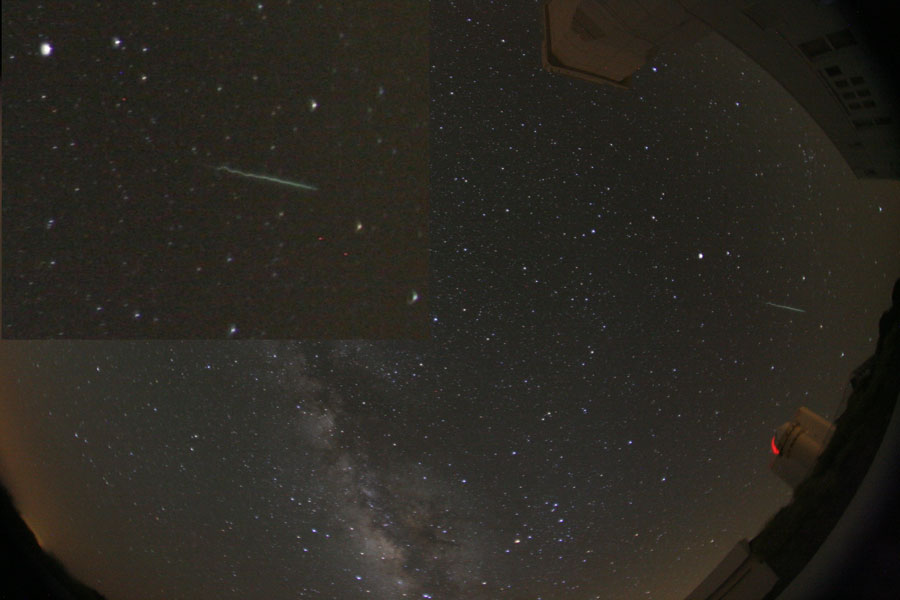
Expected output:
(592, 415)
(119, 221)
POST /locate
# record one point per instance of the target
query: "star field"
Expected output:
(117, 220)
(592, 414)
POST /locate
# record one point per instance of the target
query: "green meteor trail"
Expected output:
(294, 184)
(800, 310)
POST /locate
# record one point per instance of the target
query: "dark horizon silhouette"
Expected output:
(33, 573)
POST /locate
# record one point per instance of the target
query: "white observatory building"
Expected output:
(797, 444)
(809, 48)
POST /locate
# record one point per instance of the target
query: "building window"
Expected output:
(833, 71)
(849, 95)
(862, 123)
(857, 80)
(841, 83)
(883, 120)
(814, 48)
(863, 93)
(869, 104)
(854, 106)
(840, 39)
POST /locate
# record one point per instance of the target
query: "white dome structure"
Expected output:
(797, 444)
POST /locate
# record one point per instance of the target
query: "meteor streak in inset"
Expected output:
(800, 310)
(294, 184)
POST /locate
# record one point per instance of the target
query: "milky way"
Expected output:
(409, 530)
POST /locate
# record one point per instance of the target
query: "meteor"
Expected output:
(294, 184)
(800, 310)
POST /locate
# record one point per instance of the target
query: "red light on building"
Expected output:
(774, 447)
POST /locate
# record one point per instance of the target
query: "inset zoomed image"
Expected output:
(215, 171)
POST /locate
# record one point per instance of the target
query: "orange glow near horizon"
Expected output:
(37, 536)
